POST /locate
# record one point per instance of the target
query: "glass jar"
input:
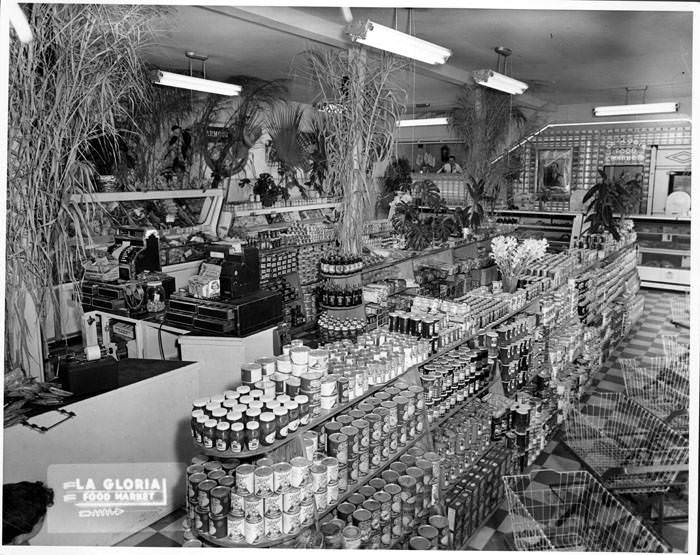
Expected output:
(155, 297)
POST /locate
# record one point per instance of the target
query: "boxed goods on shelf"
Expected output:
(277, 264)
(477, 493)
(308, 260)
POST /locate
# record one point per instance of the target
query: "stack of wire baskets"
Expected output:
(661, 384)
(572, 511)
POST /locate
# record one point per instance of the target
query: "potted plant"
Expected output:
(512, 257)
(269, 191)
(609, 200)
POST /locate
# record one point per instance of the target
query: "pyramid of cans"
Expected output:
(242, 503)
(454, 377)
(392, 508)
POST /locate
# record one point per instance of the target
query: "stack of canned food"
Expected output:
(249, 504)
(463, 438)
(337, 329)
(372, 432)
(453, 378)
(392, 509)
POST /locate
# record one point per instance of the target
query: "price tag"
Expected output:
(666, 237)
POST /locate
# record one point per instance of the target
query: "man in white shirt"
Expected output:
(451, 166)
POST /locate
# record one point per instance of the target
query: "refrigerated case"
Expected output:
(664, 251)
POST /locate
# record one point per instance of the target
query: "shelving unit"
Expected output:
(243, 212)
(553, 226)
(663, 257)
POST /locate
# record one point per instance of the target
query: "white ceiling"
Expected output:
(567, 57)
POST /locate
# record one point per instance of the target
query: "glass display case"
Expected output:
(664, 251)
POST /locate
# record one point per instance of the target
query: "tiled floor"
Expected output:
(643, 340)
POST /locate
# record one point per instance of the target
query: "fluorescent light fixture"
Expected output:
(632, 109)
(195, 83)
(19, 22)
(498, 81)
(378, 36)
(420, 122)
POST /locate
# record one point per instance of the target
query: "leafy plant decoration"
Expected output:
(609, 197)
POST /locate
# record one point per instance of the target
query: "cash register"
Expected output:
(241, 309)
(135, 251)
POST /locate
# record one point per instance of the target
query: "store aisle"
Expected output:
(643, 340)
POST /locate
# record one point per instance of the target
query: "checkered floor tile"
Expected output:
(644, 340)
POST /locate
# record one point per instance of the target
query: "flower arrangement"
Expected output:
(513, 257)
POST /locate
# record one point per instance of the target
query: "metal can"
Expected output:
(254, 529)
(353, 440)
(227, 481)
(394, 490)
(236, 526)
(300, 471)
(282, 476)
(245, 479)
(342, 478)
(442, 525)
(363, 432)
(345, 511)
(332, 538)
(218, 526)
(363, 463)
(390, 477)
(291, 522)
(212, 465)
(362, 518)
(216, 475)
(408, 514)
(331, 464)
(321, 499)
(220, 501)
(333, 493)
(254, 506)
(373, 506)
(291, 498)
(306, 512)
(430, 533)
(384, 500)
(236, 500)
(272, 503)
(203, 493)
(375, 427)
(338, 447)
(352, 537)
(419, 543)
(193, 483)
(201, 520)
(353, 471)
(273, 525)
(263, 481)
(319, 477)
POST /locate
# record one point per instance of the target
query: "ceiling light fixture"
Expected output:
(378, 36)
(499, 81)
(634, 109)
(169, 79)
(421, 122)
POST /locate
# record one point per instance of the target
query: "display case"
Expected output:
(664, 251)
(561, 229)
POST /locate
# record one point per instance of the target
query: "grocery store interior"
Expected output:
(350, 277)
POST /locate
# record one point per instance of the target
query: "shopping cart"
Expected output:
(661, 385)
(680, 310)
(572, 511)
(633, 452)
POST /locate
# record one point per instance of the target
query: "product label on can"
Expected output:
(254, 507)
(307, 513)
(273, 525)
(283, 476)
(263, 482)
(273, 503)
(363, 463)
(236, 527)
(291, 499)
(291, 522)
(333, 492)
(321, 498)
(254, 529)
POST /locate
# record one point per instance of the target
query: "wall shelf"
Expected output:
(282, 209)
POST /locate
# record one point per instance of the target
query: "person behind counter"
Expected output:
(451, 166)
(24, 506)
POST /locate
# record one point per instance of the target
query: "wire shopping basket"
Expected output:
(628, 447)
(680, 310)
(572, 511)
(674, 350)
(661, 385)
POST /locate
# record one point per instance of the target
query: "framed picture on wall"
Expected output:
(554, 174)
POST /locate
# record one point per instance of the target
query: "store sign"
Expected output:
(109, 498)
